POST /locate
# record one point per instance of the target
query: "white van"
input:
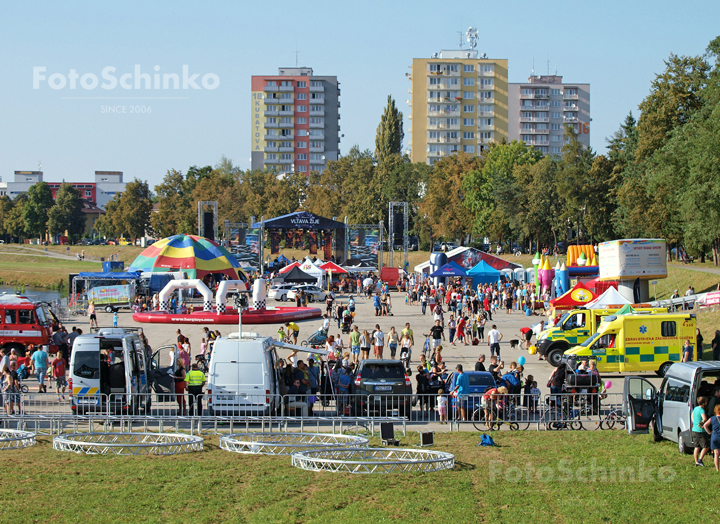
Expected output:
(109, 374)
(669, 409)
(243, 376)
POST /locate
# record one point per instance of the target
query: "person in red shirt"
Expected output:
(59, 374)
(461, 330)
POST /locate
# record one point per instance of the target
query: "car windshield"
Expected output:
(562, 319)
(391, 371)
(86, 364)
(590, 341)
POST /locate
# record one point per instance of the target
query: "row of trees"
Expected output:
(35, 213)
(659, 178)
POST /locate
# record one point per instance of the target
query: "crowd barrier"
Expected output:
(45, 413)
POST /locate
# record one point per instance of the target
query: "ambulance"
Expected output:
(575, 327)
(636, 342)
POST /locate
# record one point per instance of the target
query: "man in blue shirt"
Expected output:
(40, 365)
(377, 304)
(462, 388)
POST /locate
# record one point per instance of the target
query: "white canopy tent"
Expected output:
(314, 271)
(611, 297)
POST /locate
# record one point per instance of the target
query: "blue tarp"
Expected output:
(112, 275)
(451, 269)
(483, 273)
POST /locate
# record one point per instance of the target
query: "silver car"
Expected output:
(314, 293)
(280, 291)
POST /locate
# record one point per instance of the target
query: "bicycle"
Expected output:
(614, 417)
(512, 416)
(555, 419)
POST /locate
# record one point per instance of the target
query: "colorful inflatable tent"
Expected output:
(195, 255)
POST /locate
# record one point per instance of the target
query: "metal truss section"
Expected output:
(128, 443)
(213, 205)
(288, 443)
(16, 439)
(373, 460)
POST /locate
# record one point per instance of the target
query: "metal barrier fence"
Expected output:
(45, 413)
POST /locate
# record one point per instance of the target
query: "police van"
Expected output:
(636, 342)
(668, 409)
(109, 373)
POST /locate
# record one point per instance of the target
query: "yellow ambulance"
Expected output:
(637, 342)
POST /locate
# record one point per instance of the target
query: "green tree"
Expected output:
(67, 213)
(390, 134)
(572, 179)
(14, 221)
(6, 206)
(35, 210)
(175, 214)
(128, 213)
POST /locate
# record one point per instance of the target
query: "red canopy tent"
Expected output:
(289, 267)
(332, 266)
(578, 296)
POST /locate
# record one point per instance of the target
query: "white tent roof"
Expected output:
(611, 297)
(311, 269)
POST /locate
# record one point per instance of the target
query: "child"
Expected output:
(281, 334)
(115, 319)
(59, 373)
(203, 347)
(442, 406)
(346, 359)
(535, 392)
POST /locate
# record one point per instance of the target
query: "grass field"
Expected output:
(40, 271)
(529, 477)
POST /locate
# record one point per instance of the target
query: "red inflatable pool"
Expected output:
(271, 315)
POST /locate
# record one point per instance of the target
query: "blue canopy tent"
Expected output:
(483, 273)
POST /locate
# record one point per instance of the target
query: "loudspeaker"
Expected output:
(209, 225)
(398, 227)
(427, 438)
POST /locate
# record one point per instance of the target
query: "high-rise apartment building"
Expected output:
(295, 121)
(542, 107)
(459, 102)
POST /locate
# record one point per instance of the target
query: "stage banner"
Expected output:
(299, 243)
(244, 243)
(327, 245)
(312, 238)
(364, 246)
(289, 236)
(274, 242)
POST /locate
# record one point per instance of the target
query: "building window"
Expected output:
(286, 132)
(316, 132)
(556, 92)
(486, 109)
(286, 156)
(486, 121)
(556, 115)
(526, 92)
(88, 193)
(271, 144)
(543, 150)
(286, 120)
(468, 68)
(316, 144)
(453, 121)
(556, 150)
(556, 103)
(556, 127)
(316, 109)
(317, 120)
(541, 103)
(487, 81)
(271, 120)
(556, 138)
(468, 95)
(526, 104)
(301, 96)
(301, 169)
(468, 121)
(485, 135)
(286, 144)
(315, 83)
(526, 138)
(487, 68)
(302, 83)
(286, 108)
(301, 145)
(469, 109)
(301, 120)
(301, 109)
(526, 114)
(486, 95)
(286, 83)
(270, 83)
(541, 92)
(270, 156)
(317, 96)
(453, 81)
(468, 149)
(570, 91)
(302, 132)
(301, 156)
(468, 81)
(316, 156)
(468, 135)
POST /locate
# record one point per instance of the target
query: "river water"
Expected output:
(34, 294)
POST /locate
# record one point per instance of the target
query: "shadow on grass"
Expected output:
(463, 466)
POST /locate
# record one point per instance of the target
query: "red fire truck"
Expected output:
(24, 322)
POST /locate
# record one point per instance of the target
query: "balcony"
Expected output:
(486, 73)
(271, 113)
(445, 100)
(570, 108)
(286, 101)
(443, 140)
(534, 119)
(316, 101)
(272, 101)
(532, 96)
(534, 131)
(570, 97)
(271, 150)
(286, 125)
(285, 149)
(285, 161)
(486, 140)
(444, 126)
(317, 126)
(272, 137)
(317, 149)
(317, 89)
(271, 124)
(436, 154)
(570, 119)
(486, 113)
(317, 113)
(444, 72)
(270, 89)
(435, 87)
(444, 113)
(286, 89)
(317, 161)
(317, 137)
(286, 113)
(486, 128)
(490, 87)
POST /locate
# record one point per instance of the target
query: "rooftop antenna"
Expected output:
(297, 54)
(533, 69)
(472, 37)
(460, 38)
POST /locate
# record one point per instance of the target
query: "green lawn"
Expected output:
(40, 271)
(584, 476)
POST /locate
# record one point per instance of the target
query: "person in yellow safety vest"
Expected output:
(195, 381)
(293, 330)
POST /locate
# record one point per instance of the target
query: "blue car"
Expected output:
(480, 381)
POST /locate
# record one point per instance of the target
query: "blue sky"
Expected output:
(617, 47)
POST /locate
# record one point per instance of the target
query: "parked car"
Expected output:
(381, 386)
(480, 381)
(313, 292)
(280, 291)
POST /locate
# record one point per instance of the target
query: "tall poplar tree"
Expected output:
(389, 135)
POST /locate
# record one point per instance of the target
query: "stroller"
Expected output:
(347, 322)
(316, 339)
